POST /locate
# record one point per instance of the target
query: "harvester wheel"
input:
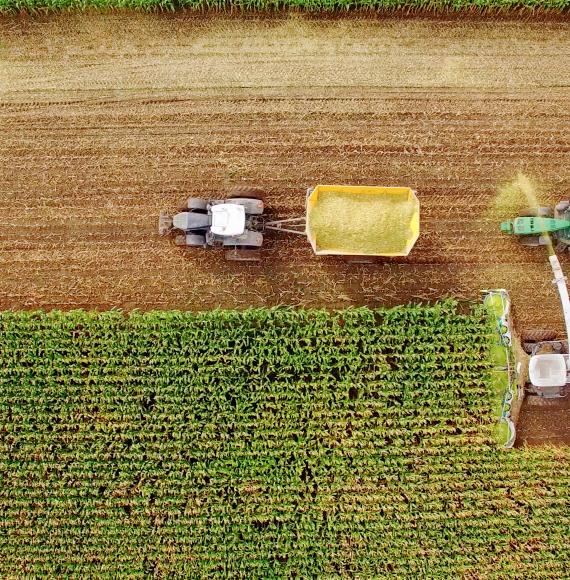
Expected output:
(194, 204)
(538, 335)
(243, 255)
(530, 241)
(246, 191)
(545, 212)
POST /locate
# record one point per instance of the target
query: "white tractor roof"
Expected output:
(547, 370)
(228, 219)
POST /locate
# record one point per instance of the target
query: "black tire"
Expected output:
(539, 335)
(530, 241)
(191, 240)
(194, 204)
(246, 191)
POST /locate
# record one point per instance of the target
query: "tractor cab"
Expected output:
(228, 219)
(224, 220)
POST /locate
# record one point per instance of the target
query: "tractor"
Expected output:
(233, 223)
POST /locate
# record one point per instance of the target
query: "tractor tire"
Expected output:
(191, 240)
(538, 335)
(546, 212)
(194, 204)
(246, 191)
(243, 255)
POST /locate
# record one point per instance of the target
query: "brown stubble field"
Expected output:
(108, 119)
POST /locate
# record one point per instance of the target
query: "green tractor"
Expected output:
(533, 224)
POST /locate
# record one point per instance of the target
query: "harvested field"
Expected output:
(108, 119)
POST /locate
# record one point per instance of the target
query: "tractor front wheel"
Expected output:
(190, 240)
(194, 204)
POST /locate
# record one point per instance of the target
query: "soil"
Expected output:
(543, 421)
(109, 119)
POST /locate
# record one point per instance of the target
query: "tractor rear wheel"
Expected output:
(542, 211)
(246, 191)
(243, 255)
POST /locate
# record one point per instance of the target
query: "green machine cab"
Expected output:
(532, 226)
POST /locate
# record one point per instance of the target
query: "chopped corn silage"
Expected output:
(364, 224)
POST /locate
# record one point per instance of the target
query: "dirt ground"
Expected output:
(108, 119)
(544, 421)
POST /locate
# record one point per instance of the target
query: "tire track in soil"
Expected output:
(109, 119)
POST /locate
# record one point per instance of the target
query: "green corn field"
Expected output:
(530, 6)
(267, 443)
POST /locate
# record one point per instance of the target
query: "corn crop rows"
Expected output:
(266, 443)
(408, 6)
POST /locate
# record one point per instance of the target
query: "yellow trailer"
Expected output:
(352, 220)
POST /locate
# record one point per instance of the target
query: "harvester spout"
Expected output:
(560, 281)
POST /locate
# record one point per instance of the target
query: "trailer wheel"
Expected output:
(246, 191)
(243, 255)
